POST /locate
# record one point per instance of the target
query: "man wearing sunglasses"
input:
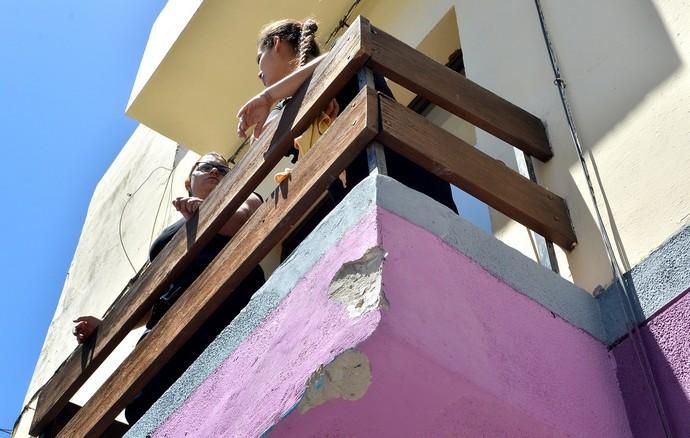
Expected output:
(203, 178)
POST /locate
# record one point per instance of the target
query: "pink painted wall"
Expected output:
(265, 377)
(666, 339)
(458, 353)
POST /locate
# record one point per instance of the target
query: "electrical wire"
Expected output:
(237, 152)
(343, 22)
(168, 206)
(122, 213)
(632, 326)
(160, 203)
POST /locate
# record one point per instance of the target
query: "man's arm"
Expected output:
(242, 215)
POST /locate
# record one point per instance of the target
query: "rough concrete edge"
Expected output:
(344, 217)
(314, 382)
(655, 281)
(507, 264)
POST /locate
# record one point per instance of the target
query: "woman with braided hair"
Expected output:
(288, 54)
(286, 46)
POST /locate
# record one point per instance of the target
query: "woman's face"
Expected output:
(206, 175)
(275, 62)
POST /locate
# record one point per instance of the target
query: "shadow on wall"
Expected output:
(615, 234)
(666, 339)
(617, 53)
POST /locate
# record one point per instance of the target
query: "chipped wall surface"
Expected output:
(462, 354)
(268, 369)
(666, 339)
(445, 348)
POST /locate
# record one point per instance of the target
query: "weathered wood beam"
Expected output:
(457, 94)
(487, 179)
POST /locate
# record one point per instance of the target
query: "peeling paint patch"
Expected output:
(358, 285)
(348, 377)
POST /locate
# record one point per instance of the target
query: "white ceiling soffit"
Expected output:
(199, 65)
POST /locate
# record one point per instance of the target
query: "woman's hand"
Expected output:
(85, 326)
(254, 113)
(333, 109)
(187, 205)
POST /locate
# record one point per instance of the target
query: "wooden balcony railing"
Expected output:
(369, 119)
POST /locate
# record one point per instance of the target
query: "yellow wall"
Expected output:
(628, 83)
(625, 65)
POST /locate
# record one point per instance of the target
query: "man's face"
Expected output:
(206, 175)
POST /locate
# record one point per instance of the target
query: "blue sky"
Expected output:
(66, 70)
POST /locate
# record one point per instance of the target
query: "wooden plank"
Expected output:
(457, 94)
(456, 63)
(130, 307)
(348, 135)
(478, 174)
(331, 75)
(114, 430)
(352, 52)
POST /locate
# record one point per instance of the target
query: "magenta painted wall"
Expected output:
(265, 377)
(457, 353)
(666, 339)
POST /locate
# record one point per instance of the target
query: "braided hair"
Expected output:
(300, 36)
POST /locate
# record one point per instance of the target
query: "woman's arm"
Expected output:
(256, 110)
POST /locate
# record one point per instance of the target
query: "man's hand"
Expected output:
(85, 326)
(187, 205)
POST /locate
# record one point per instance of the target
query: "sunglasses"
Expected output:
(208, 167)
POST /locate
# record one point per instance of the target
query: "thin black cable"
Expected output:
(122, 213)
(343, 22)
(168, 206)
(7, 431)
(632, 327)
(160, 203)
(241, 147)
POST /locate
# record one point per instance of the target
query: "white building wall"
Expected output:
(100, 270)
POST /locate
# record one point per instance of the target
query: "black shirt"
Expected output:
(232, 305)
(208, 331)
(400, 168)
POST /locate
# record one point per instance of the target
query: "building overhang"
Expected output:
(199, 66)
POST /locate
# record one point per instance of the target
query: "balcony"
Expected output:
(391, 271)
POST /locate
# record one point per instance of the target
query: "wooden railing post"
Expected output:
(376, 158)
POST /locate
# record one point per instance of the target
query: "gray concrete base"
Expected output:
(654, 282)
